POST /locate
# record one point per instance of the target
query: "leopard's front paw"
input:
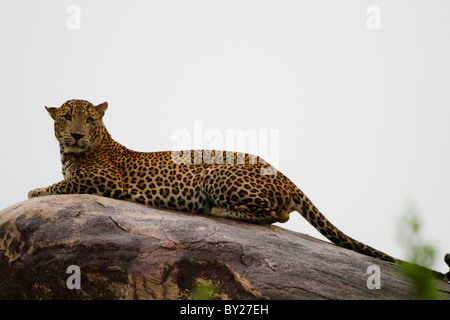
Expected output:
(35, 193)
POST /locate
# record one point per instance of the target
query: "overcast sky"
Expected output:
(350, 99)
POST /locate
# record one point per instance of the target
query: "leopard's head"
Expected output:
(78, 126)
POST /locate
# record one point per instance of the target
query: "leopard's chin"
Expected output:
(75, 149)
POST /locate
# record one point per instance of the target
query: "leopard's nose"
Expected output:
(77, 136)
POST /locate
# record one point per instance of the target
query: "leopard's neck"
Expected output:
(68, 160)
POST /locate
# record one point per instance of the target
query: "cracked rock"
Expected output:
(129, 251)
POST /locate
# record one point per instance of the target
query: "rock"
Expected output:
(129, 251)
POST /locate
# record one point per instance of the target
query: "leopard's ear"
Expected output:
(52, 112)
(101, 108)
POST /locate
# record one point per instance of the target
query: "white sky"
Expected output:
(362, 115)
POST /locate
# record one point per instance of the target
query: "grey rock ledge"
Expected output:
(129, 251)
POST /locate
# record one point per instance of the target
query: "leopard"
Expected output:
(226, 184)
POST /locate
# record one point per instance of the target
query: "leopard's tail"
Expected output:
(307, 209)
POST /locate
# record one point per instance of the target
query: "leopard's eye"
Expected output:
(68, 117)
(89, 120)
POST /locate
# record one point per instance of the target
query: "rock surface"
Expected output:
(129, 251)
